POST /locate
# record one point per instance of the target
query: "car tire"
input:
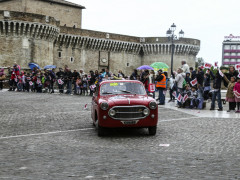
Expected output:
(101, 131)
(152, 130)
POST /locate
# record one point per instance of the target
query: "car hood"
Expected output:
(126, 100)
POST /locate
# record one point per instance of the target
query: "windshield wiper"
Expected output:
(128, 91)
(107, 93)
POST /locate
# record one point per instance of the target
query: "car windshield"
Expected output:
(122, 88)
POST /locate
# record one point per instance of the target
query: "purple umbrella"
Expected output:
(145, 67)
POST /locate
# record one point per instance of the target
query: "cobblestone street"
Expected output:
(50, 136)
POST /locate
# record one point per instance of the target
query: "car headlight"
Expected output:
(152, 105)
(112, 112)
(104, 106)
(146, 112)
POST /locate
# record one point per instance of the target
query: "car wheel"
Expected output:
(100, 131)
(152, 130)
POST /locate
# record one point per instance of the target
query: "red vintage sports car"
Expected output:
(123, 103)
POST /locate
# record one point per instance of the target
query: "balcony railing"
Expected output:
(231, 57)
(232, 63)
(232, 51)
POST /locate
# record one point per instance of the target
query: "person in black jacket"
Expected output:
(60, 75)
(68, 80)
(217, 80)
(91, 81)
(52, 79)
(207, 86)
(193, 73)
(75, 74)
(200, 76)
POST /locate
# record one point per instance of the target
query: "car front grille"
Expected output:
(128, 112)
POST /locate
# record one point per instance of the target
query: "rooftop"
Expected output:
(63, 2)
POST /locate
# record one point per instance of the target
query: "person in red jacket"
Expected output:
(14, 77)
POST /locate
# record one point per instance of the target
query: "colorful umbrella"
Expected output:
(159, 65)
(33, 65)
(145, 67)
(50, 67)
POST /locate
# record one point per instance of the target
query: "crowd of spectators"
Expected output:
(188, 87)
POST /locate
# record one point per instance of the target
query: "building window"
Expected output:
(127, 64)
(59, 54)
(71, 59)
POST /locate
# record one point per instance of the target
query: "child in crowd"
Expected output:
(194, 100)
(172, 88)
(23, 81)
(20, 82)
(85, 84)
(27, 79)
(187, 92)
(236, 91)
(33, 80)
(230, 95)
(200, 96)
(39, 83)
(78, 84)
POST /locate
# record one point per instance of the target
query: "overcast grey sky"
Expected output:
(206, 20)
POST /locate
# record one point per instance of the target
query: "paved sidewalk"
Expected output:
(205, 112)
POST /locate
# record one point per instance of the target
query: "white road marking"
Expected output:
(47, 133)
(85, 129)
(179, 119)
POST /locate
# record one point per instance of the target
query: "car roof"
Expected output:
(112, 81)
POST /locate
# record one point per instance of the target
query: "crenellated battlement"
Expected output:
(15, 24)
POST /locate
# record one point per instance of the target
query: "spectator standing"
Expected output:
(52, 80)
(10, 82)
(179, 83)
(81, 73)
(217, 80)
(230, 98)
(172, 88)
(161, 86)
(68, 79)
(188, 78)
(75, 74)
(193, 73)
(236, 91)
(60, 76)
(207, 86)
(120, 74)
(91, 81)
(28, 79)
(2, 77)
(232, 72)
(185, 67)
(134, 75)
(14, 77)
(152, 80)
(200, 76)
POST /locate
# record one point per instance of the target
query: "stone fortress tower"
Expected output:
(49, 32)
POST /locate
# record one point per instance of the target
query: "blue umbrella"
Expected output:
(145, 67)
(33, 65)
(50, 67)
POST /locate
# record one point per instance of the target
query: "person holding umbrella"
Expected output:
(161, 86)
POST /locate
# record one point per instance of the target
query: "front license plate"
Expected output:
(129, 122)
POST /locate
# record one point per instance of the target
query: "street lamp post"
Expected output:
(171, 37)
